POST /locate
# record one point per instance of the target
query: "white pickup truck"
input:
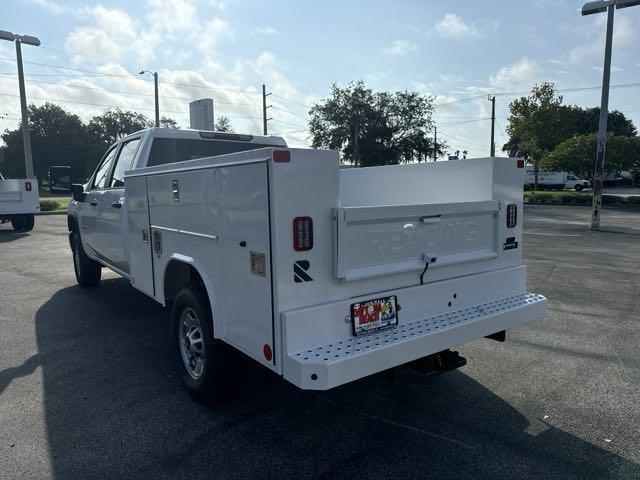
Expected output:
(19, 200)
(324, 275)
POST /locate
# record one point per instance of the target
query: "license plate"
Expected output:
(373, 315)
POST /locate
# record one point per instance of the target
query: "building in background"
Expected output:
(201, 114)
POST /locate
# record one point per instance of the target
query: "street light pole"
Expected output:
(26, 133)
(598, 175)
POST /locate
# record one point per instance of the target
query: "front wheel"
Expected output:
(23, 223)
(197, 351)
(88, 272)
(578, 187)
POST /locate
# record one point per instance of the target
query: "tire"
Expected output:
(23, 223)
(578, 187)
(199, 355)
(87, 271)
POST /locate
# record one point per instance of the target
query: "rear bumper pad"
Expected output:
(326, 366)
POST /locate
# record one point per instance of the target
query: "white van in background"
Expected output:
(555, 180)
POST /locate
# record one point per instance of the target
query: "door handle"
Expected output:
(116, 205)
(430, 219)
(93, 203)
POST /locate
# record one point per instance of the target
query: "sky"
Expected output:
(459, 52)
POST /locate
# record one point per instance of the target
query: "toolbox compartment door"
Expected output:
(373, 241)
(138, 233)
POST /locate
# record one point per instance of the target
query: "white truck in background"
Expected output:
(19, 201)
(323, 275)
(555, 180)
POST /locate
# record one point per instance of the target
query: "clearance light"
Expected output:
(281, 156)
(27, 186)
(302, 234)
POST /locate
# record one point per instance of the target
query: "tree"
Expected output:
(576, 154)
(378, 128)
(57, 138)
(167, 122)
(538, 123)
(535, 125)
(114, 124)
(223, 124)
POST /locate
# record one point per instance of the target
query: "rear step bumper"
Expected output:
(326, 366)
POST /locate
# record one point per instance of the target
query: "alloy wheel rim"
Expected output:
(191, 341)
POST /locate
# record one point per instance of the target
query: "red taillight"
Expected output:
(27, 186)
(281, 156)
(520, 163)
(512, 215)
(302, 234)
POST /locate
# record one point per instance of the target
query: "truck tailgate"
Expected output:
(381, 240)
(18, 196)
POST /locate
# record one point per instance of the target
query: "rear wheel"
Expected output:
(199, 355)
(87, 271)
(23, 223)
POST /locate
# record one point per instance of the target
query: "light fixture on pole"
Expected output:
(155, 83)
(26, 134)
(590, 8)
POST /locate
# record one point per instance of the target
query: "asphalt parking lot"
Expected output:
(88, 388)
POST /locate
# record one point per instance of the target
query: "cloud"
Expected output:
(51, 6)
(400, 47)
(265, 30)
(172, 33)
(613, 69)
(453, 26)
(520, 75)
(591, 46)
(113, 35)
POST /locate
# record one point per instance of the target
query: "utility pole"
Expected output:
(435, 143)
(264, 109)
(26, 133)
(492, 149)
(155, 84)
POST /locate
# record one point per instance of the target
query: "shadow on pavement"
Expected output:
(115, 408)
(9, 235)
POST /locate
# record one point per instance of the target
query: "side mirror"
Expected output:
(77, 192)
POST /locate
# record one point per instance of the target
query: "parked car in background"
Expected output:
(60, 179)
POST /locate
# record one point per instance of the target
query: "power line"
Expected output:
(60, 67)
(181, 112)
(288, 123)
(465, 121)
(305, 117)
(122, 92)
(291, 101)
